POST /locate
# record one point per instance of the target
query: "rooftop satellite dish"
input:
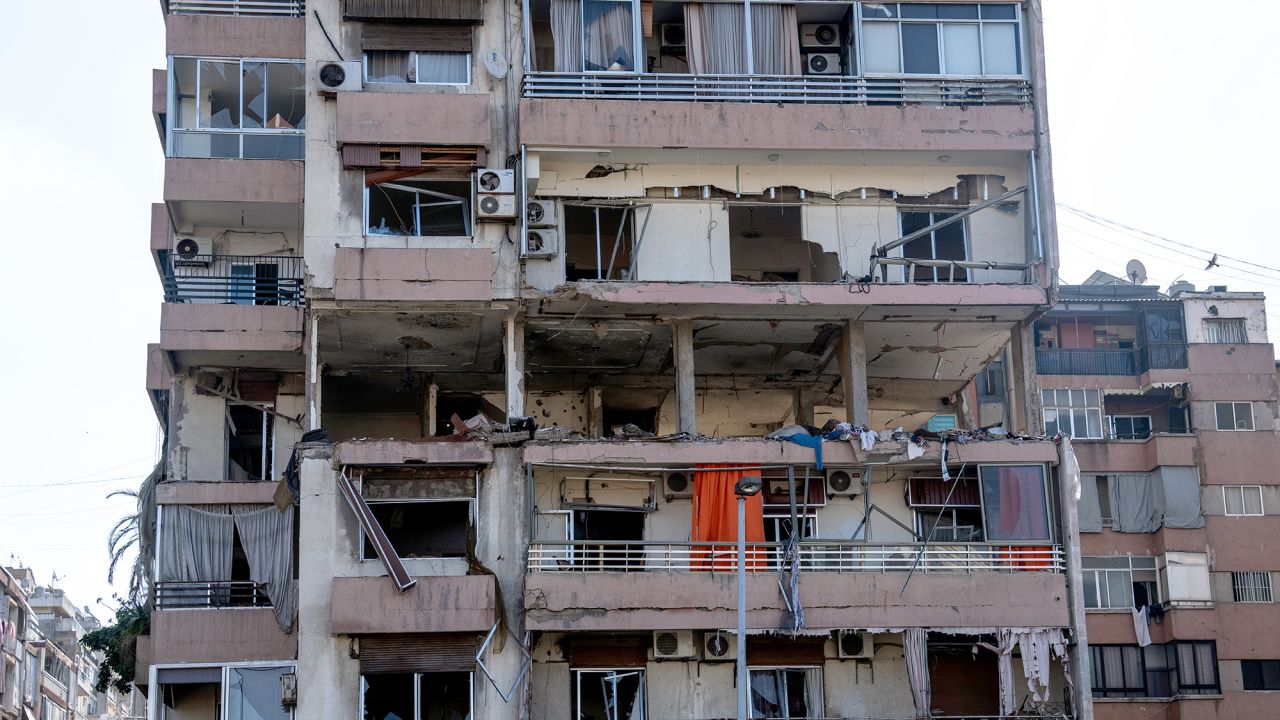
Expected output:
(1136, 271)
(495, 64)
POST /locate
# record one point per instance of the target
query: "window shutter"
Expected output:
(622, 652)
(426, 38)
(437, 652)
(781, 651)
(453, 10)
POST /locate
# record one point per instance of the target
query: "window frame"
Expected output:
(1017, 22)
(267, 431)
(787, 668)
(1214, 336)
(643, 690)
(154, 700)
(1046, 496)
(1235, 416)
(1244, 506)
(908, 272)
(1129, 571)
(417, 690)
(473, 520)
(468, 205)
(1252, 587)
(1262, 672)
(1114, 434)
(637, 38)
(1056, 409)
(171, 95)
(415, 60)
(1176, 671)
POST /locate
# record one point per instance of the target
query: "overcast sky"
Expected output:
(1162, 115)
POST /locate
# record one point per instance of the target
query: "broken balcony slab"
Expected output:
(232, 335)
(436, 604)
(416, 452)
(234, 36)
(691, 600)
(413, 274)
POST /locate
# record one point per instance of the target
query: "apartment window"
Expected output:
(778, 528)
(1251, 587)
(1130, 427)
(785, 693)
(416, 207)
(253, 693)
(422, 696)
(991, 381)
(1119, 583)
(950, 525)
(1156, 671)
(424, 516)
(250, 435)
(50, 711)
(1077, 413)
(949, 242)
(1234, 415)
(1260, 674)
(1242, 499)
(420, 67)
(229, 108)
(235, 692)
(599, 242)
(1014, 502)
(613, 694)
(967, 39)
(1225, 331)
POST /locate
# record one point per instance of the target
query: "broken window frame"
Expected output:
(925, 517)
(467, 204)
(473, 520)
(936, 215)
(890, 14)
(172, 132)
(614, 674)
(417, 691)
(805, 671)
(268, 436)
(414, 65)
(604, 270)
(155, 701)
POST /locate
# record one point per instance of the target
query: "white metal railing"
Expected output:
(250, 8)
(815, 556)
(778, 88)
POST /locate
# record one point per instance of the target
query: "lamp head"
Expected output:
(748, 486)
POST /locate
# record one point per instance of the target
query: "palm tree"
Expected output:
(136, 531)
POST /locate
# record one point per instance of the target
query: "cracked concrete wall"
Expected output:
(197, 434)
(1197, 311)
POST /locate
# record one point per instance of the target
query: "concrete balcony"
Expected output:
(413, 274)
(601, 120)
(227, 35)
(1123, 456)
(262, 194)
(616, 601)
(437, 604)
(215, 493)
(216, 636)
(424, 118)
(263, 336)
(416, 452)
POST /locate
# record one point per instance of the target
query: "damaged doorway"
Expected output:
(609, 694)
(598, 242)
(766, 244)
(614, 529)
(250, 432)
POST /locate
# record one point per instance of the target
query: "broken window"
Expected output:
(417, 696)
(613, 529)
(599, 242)
(424, 68)
(237, 108)
(252, 692)
(425, 514)
(1014, 502)
(609, 694)
(950, 525)
(416, 207)
(949, 242)
(250, 435)
(766, 244)
(968, 39)
(991, 382)
(785, 693)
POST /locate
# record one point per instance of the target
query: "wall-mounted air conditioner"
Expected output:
(673, 645)
(845, 482)
(542, 213)
(719, 645)
(491, 208)
(820, 35)
(192, 252)
(338, 76)
(854, 645)
(542, 243)
(673, 37)
(495, 181)
(677, 485)
(822, 64)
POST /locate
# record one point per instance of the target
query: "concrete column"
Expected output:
(430, 419)
(804, 408)
(686, 395)
(514, 348)
(852, 356)
(501, 542)
(1024, 393)
(1068, 494)
(595, 412)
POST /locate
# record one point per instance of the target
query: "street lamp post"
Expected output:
(745, 488)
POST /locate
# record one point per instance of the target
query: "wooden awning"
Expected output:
(424, 158)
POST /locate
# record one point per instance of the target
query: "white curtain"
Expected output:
(915, 647)
(267, 537)
(813, 693)
(195, 546)
(608, 34)
(566, 34)
(387, 66)
(775, 39)
(715, 37)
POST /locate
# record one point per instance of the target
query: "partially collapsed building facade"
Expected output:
(476, 313)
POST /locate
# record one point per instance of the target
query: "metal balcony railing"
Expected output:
(178, 595)
(929, 90)
(1170, 356)
(1110, 362)
(815, 556)
(246, 8)
(233, 279)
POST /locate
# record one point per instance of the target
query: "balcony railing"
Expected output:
(1110, 362)
(777, 88)
(179, 595)
(233, 279)
(1171, 356)
(815, 556)
(245, 8)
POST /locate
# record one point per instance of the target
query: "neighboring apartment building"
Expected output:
(662, 231)
(1172, 401)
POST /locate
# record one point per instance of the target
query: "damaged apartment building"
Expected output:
(477, 313)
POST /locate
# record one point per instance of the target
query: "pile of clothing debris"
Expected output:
(913, 443)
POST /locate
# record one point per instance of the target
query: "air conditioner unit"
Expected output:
(673, 645)
(339, 76)
(822, 64)
(820, 35)
(191, 252)
(718, 645)
(676, 485)
(843, 481)
(495, 207)
(544, 242)
(854, 645)
(673, 36)
(542, 213)
(496, 181)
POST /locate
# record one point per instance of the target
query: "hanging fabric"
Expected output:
(195, 546)
(715, 38)
(566, 34)
(915, 648)
(267, 537)
(775, 40)
(715, 519)
(607, 36)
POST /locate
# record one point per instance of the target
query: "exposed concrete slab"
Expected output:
(368, 605)
(413, 274)
(426, 118)
(235, 37)
(396, 452)
(215, 493)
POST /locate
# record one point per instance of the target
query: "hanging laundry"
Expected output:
(1140, 626)
(869, 438)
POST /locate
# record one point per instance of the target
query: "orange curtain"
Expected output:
(715, 519)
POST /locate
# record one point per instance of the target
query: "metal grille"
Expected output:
(233, 279)
(251, 8)
(175, 595)
(1251, 587)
